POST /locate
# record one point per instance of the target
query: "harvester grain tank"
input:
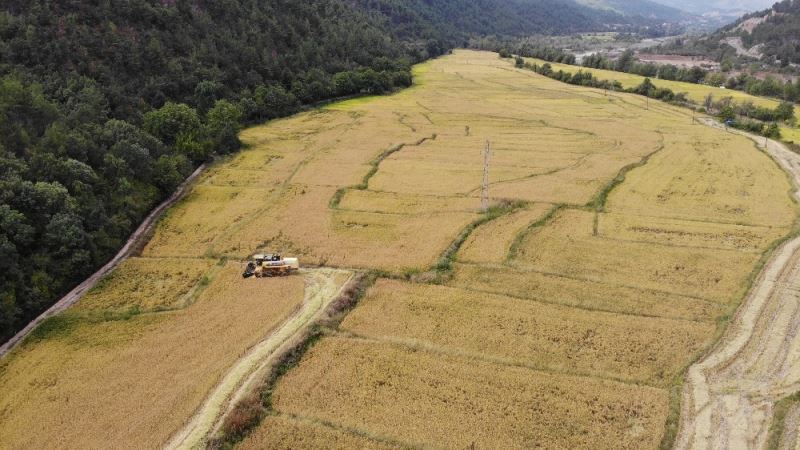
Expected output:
(271, 265)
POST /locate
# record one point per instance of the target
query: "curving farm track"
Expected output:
(321, 289)
(729, 396)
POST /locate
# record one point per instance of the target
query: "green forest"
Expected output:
(107, 105)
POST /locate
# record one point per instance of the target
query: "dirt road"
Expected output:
(321, 289)
(81, 289)
(729, 396)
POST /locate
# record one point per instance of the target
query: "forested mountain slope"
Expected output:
(106, 106)
(644, 8)
(771, 36)
(775, 32)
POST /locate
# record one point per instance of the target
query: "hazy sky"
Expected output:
(701, 6)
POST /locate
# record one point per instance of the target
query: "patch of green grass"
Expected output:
(54, 327)
(352, 103)
(778, 425)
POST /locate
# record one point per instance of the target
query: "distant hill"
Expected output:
(719, 12)
(643, 8)
(770, 36)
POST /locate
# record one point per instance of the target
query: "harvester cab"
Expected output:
(270, 265)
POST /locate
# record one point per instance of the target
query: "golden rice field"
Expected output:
(284, 432)
(427, 399)
(583, 293)
(551, 315)
(148, 285)
(527, 333)
(100, 382)
(563, 324)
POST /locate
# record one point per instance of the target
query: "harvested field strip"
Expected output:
(322, 287)
(452, 402)
(584, 294)
(542, 336)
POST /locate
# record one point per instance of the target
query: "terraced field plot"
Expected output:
(557, 310)
(563, 324)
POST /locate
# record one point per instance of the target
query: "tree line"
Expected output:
(767, 87)
(627, 63)
(742, 115)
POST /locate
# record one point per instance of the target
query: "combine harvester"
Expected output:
(271, 265)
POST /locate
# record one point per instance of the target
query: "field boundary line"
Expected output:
(349, 430)
(529, 269)
(466, 355)
(584, 308)
(140, 236)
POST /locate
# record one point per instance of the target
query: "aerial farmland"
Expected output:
(620, 240)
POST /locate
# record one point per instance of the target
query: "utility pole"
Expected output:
(487, 157)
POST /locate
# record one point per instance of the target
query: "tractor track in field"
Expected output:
(246, 373)
(135, 240)
(730, 394)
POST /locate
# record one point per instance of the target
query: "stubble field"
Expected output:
(564, 323)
